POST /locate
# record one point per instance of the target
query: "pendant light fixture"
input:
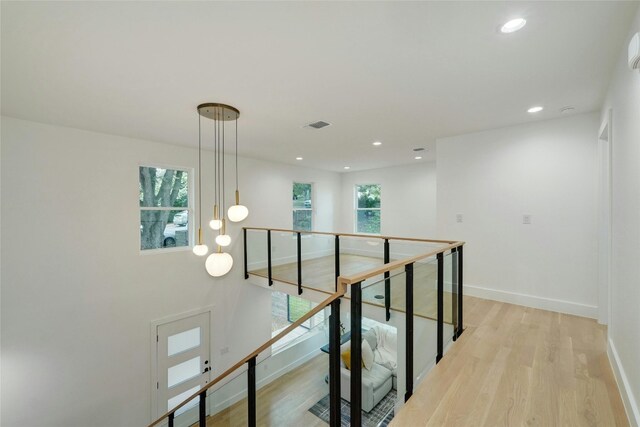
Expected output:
(237, 212)
(218, 263)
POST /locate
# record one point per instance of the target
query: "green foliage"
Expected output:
(368, 196)
(298, 307)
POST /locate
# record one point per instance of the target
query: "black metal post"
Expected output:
(299, 264)
(171, 417)
(356, 354)
(334, 365)
(203, 409)
(269, 258)
(246, 264)
(251, 392)
(454, 292)
(387, 282)
(408, 269)
(337, 263)
(440, 258)
(460, 311)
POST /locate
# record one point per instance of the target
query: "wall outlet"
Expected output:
(458, 218)
(526, 219)
(224, 350)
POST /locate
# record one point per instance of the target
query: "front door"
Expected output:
(183, 361)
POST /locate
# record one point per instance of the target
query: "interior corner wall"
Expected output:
(408, 199)
(78, 297)
(623, 99)
(545, 169)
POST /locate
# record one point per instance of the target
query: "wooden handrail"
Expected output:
(345, 281)
(263, 347)
(364, 236)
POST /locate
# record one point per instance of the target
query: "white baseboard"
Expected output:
(550, 304)
(628, 399)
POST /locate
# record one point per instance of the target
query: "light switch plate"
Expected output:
(526, 219)
(458, 218)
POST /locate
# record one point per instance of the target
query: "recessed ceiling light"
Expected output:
(377, 143)
(347, 167)
(513, 25)
(534, 109)
(298, 158)
(418, 157)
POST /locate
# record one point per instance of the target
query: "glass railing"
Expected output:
(346, 359)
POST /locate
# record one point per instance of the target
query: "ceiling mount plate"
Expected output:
(216, 111)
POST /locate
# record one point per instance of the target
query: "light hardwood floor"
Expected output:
(318, 274)
(518, 366)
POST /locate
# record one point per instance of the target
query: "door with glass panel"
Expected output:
(183, 361)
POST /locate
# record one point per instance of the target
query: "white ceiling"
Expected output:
(401, 73)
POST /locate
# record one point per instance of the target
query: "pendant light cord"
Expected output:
(236, 152)
(222, 182)
(199, 176)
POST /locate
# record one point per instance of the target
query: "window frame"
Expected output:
(311, 209)
(191, 208)
(357, 209)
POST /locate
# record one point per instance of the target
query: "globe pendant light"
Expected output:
(219, 263)
(237, 212)
(200, 249)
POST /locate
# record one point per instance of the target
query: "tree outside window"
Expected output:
(165, 207)
(368, 208)
(302, 207)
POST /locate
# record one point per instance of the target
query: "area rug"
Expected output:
(381, 415)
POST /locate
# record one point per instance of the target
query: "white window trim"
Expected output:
(191, 209)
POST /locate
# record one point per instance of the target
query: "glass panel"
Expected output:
(163, 187)
(448, 297)
(183, 341)
(368, 196)
(318, 262)
(425, 326)
(368, 221)
(228, 402)
(302, 219)
(175, 401)
(284, 257)
(183, 371)
(294, 395)
(163, 228)
(359, 254)
(257, 252)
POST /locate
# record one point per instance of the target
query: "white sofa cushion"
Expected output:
(367, 355)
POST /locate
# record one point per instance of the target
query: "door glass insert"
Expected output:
(183, 371)
(183, 341)
(174, 401)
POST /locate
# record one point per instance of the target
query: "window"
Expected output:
(165, 208)
(368, 208)
(285, 310)
(302, 208)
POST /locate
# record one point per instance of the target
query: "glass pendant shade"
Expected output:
(237, 213)
(215, 224)
(200, 250)
(223, 240)
(218, 264)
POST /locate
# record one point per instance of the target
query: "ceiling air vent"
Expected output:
(317, 125)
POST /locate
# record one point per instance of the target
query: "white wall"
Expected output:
(545, 169)
(623, 98)
(78, 297)
(408, 199)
